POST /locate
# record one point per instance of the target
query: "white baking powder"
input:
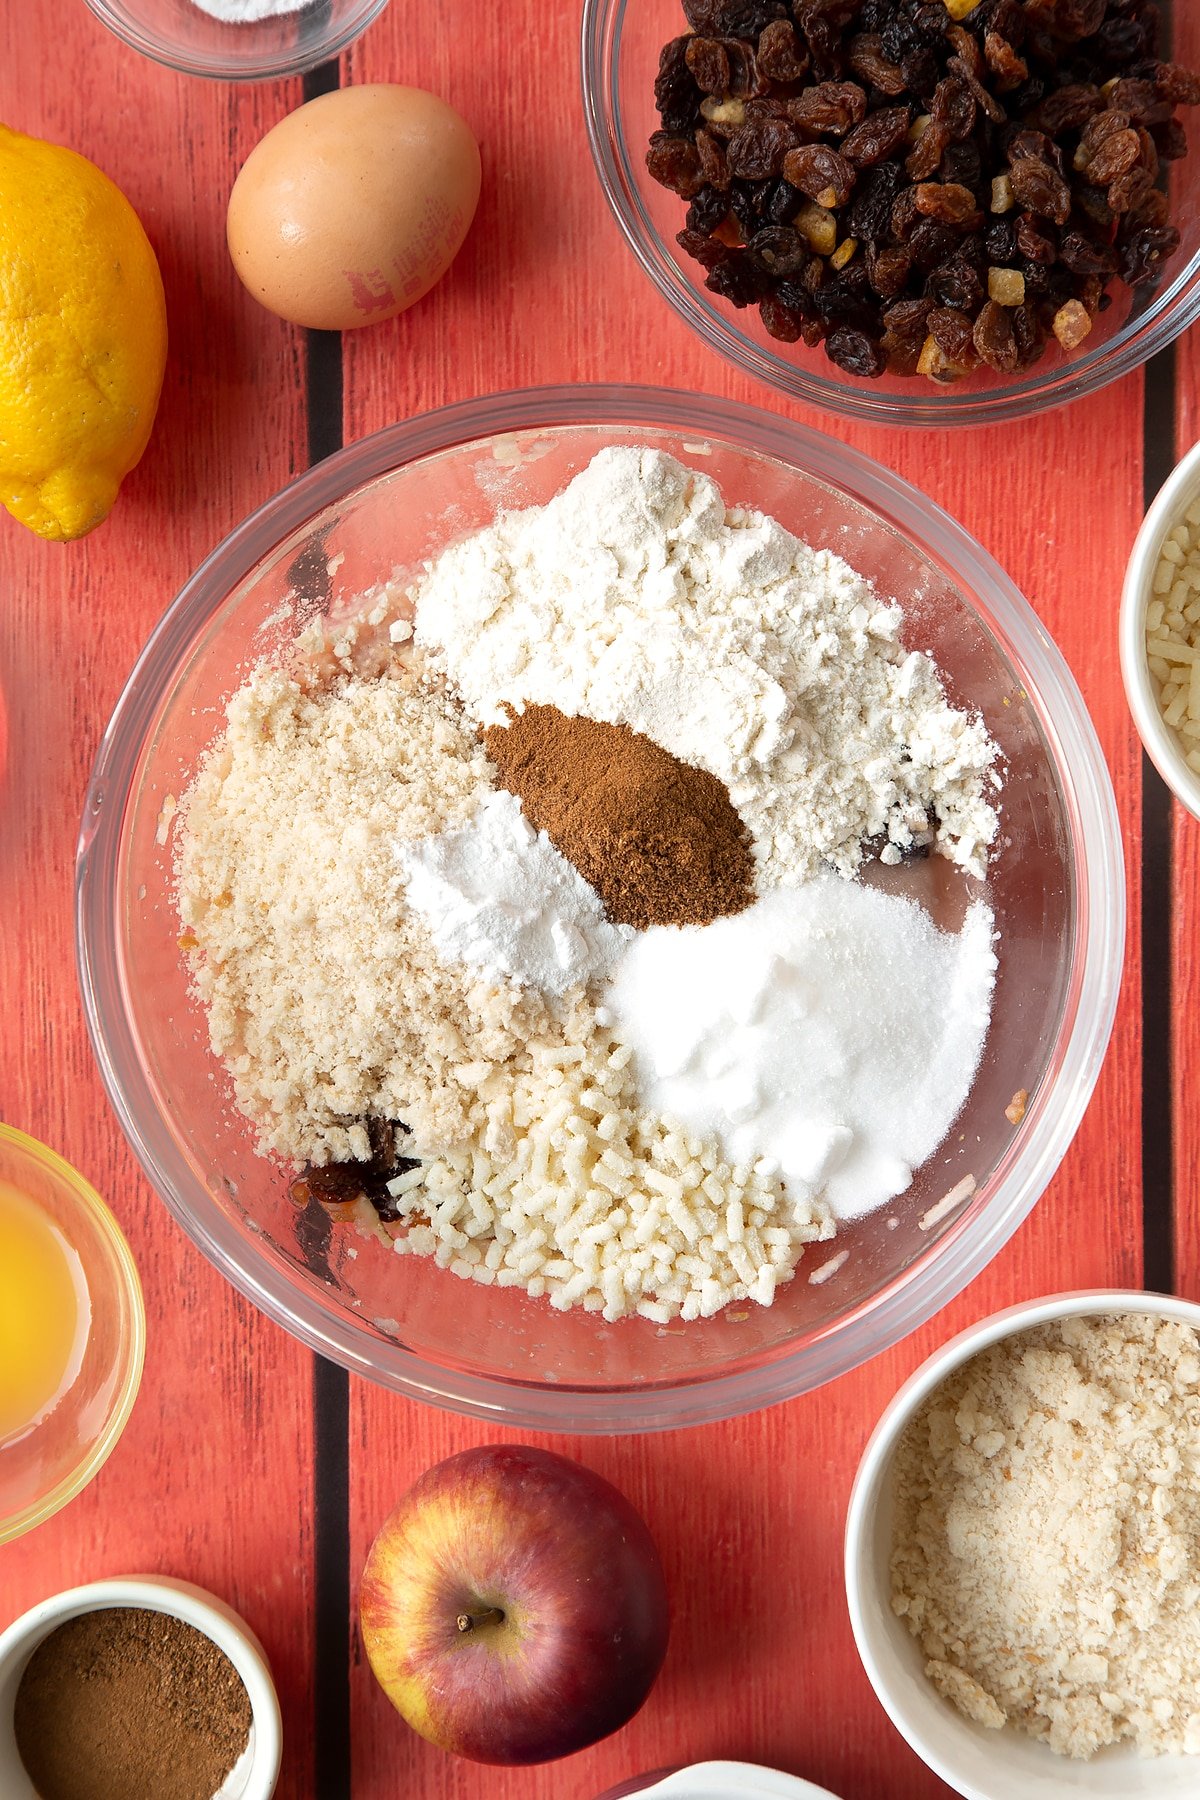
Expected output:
(636, 597)
(831, 1029)
(496, 894)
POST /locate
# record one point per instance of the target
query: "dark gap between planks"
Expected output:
(331, 1385)
(1158, 1154)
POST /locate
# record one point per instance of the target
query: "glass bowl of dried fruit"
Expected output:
(937, 213)
(376, 968)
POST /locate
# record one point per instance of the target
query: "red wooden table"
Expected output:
(247, 1466)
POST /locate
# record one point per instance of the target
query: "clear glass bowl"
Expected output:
(183, 36)
(49, 1465)
(1057, 890)
(620, 49)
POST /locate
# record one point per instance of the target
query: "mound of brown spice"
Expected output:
(125, 1703)
(660, 841)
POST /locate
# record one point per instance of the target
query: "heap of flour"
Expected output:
(636, 597)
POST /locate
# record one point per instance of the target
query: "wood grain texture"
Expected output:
(214, 1477)
(212, 1480)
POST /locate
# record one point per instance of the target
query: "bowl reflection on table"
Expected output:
(1056, 888)
(621, 42)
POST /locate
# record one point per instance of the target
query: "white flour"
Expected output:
(831, 1029)
(496, 894)
(635, 597)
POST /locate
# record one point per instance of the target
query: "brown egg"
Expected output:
(354, 205)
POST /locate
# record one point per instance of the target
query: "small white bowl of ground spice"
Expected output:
(1023, 1552)
(1160, 632)
(143, 1688)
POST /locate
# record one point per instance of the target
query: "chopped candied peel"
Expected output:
(1014, 1112)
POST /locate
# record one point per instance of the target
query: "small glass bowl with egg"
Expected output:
(238, 40)
(72, 1332)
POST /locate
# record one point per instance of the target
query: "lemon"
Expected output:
(83, 337)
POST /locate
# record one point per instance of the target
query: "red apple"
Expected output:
(513, 1606)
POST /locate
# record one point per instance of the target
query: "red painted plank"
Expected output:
(212, 1480)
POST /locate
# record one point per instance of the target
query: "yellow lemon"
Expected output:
(83, 337)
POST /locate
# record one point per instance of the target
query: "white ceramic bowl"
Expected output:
(722, 1781)
(256, 1774)
(976, 1762)
(1162, 745)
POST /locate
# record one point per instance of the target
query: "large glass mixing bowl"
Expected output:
(1056, 888)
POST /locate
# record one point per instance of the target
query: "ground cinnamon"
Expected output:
(659, 840)
(129, 1704)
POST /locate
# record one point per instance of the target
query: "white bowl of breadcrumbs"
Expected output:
(1023, 1552)
(1160, 632)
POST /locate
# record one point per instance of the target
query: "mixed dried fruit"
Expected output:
(923, 186)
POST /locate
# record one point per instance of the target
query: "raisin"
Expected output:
(987, 103)
(1035, 240)
(947, 202)
(1170, 140)
(855, 352)
(1033, 146)
(1178, 85)
(994, 339)
(1117, 154)
(1141, 100)
(759, 149)
(713, 165)
(1142, 256)
(781, 321)
(839, 303)
(954, 283)
(963, 165)
(953, 105)
(674, 162)
(924, 159)
(1009, 69)
(832, 107)
(781, 251)
(707, 251)
(676, 96)
(1152, 210)
(1040, 189)
(869, 214)
(902, 356)
(876, 138)
(1129, 191)
(782, 203)
(744, 76)
(906, 215)
(1028, 334)
(1001, 242)
(1097, 131)
(1084, 257)
(1092, 202)
(931, 244)
(708, 61)
(781, 55)
(921, 71)
(1068, 109)
(907, 318)
(951, 331)
(731, 18)
(708, 210)
(738, 280)
(888, 270)
(821, 173)
(867, 61)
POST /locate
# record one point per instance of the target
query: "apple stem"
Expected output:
(470, 1621)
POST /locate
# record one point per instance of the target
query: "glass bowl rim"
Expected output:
(84, 1195)
(251, 67)
(911, 1298)
(1172, 311)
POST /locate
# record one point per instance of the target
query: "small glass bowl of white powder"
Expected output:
(1023, 1552)
(238, 40)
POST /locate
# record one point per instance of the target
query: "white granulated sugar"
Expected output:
(1046, 1537)
(636, 597)
(831, 1030)
(498, 895)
